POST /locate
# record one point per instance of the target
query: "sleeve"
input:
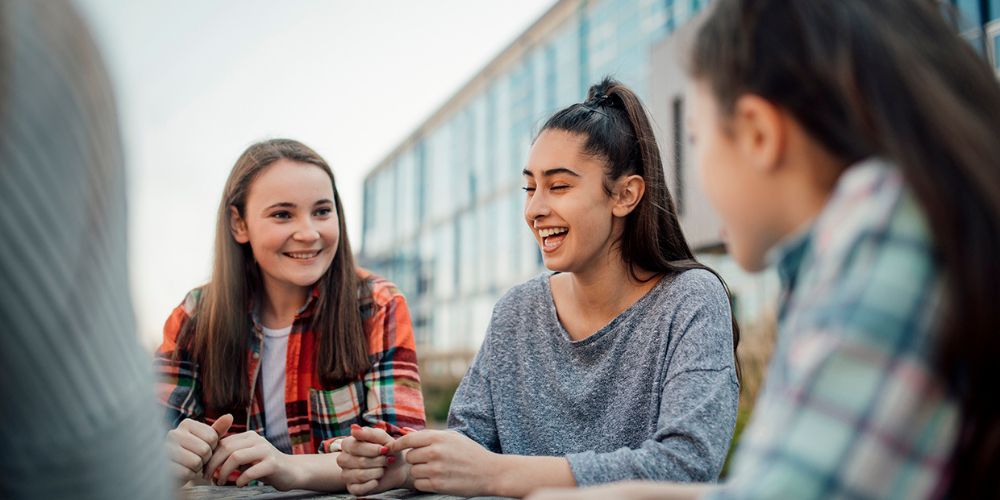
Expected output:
(392, 384)
(471, 411)
(698, 405)
(177, 382)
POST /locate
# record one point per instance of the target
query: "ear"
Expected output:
(759, 131)
(238, 226)
(630, 191)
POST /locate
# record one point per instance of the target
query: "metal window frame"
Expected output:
(992, 32)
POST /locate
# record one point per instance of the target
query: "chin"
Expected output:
(749, 262)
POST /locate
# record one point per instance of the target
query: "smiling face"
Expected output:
(567, 207)
(291, 225)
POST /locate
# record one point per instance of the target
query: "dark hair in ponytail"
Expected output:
(890, 78)
(618, 130)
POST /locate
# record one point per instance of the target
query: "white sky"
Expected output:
(199, 81)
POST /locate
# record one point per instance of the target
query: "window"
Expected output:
(993, 35)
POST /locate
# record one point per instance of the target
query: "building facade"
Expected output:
(443, 211)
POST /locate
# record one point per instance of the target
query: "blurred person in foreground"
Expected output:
(78, 407)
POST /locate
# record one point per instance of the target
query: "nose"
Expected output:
(306, 233)
(536, 206)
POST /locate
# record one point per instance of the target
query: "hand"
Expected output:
(448, 462)
(190, 445)
(251, 449)
(367, 465)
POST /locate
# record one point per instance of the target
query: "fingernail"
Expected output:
(355, 426)
(383, 450)
(409, 429)
(390, 459)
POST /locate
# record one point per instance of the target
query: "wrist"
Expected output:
(497, 483)
(297, 473)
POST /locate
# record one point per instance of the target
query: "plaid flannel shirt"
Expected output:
(387, 396)
(852, 407)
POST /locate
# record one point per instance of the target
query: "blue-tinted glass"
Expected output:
(996, 51)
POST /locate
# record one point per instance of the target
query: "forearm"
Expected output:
(317, 472)
(517, 476)
(646, 490)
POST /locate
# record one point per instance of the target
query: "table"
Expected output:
(208, 492)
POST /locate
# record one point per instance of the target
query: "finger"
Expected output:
(424, 455)
(259, 470)
(363, 488)
(348, 461)
(238, 458)
(363, 449)
(184, 458)
(371, 435)
(195, 445)
(222, 424)
(422, 485)
(417, 439)
(365, 475)
(226, 447)
(200, 430)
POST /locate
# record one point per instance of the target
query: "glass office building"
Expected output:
(443, 210)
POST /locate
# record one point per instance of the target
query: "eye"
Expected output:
(559, 187)
(323, 212)
(283, 215)
(528, 189)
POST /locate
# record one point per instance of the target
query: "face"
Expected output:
(291, 224)
(742, 195)
(567, 208)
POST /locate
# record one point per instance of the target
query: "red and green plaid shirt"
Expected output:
(386, 396)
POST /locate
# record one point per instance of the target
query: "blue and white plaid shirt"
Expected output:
(852, 407)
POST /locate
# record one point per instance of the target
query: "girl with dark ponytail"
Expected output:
(620, 364)
(853, 143)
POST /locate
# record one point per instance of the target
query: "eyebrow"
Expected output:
(287, 204)
(550, 172)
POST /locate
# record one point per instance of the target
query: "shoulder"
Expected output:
(694, 289)
(375, 291)
(191, 300)
(179, 317)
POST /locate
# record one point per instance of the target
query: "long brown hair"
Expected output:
(220, 328)
(617, 129)
(890, 78)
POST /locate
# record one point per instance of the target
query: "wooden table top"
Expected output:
(267, 493)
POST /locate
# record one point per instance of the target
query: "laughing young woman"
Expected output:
(618, 365)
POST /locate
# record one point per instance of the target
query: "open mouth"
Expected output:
(302, 255)
(552, 237)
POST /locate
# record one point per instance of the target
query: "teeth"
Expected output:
(546, 232)
(302, 255)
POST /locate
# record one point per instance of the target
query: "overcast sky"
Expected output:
(199, 81)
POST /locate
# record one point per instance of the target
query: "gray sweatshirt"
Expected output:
(652, 395)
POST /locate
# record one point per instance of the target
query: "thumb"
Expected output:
(371, 435)
(222, 424)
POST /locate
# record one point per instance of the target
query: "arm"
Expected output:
(393, 397)
(471, 411)
(178, 386)
(698, 402)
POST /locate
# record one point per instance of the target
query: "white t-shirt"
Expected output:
(272, 377)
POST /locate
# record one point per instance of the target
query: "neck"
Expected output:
(606, 288)
(809, 180)
(281, 303)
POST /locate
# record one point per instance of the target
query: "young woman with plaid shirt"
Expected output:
(289, 345)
